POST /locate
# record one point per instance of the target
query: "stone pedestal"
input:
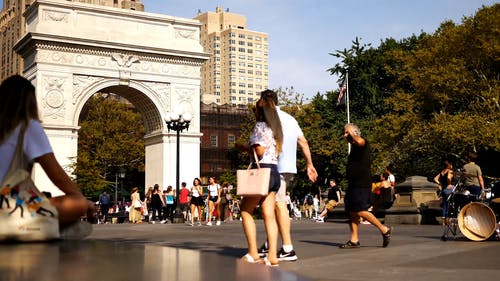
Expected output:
(411, 196)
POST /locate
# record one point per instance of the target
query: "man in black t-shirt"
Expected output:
(333, 199)
(357, 198)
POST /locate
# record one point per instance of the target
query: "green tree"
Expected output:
(451, 106)
(110, 138)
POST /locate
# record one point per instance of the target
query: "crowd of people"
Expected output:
(156, 206)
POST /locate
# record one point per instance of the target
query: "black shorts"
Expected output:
(197, 201)
(357, 199)
(214, 198)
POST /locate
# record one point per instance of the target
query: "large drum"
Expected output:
(477, 221)
(462, 199)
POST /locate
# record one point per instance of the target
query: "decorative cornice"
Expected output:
(171, 59)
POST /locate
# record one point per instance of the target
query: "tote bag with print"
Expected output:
(25, 213)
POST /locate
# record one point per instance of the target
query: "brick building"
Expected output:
(221, 126)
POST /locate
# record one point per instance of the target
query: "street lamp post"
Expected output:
(178, 122)
(118, 174)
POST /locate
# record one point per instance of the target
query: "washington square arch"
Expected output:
(72, 51)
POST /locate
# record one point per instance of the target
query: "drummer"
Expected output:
(473, 176)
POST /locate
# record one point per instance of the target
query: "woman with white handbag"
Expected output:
(265, 143)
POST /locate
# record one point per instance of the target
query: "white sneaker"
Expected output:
(153, 222)
(218, 223)
(320, 220)
(209, 223)
(163, 221)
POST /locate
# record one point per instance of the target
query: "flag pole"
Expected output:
(347, 104)
(347, 93)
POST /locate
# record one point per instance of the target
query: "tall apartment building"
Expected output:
(237, 70)
(12, 28)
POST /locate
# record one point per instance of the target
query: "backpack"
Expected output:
(309, 199)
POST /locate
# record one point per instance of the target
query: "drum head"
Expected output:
(477, 221)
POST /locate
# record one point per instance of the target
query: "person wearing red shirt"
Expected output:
(184, 199)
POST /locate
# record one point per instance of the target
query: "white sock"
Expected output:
(287, 248)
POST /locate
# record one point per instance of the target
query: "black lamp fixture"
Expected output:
(178, 122)
(120, 173)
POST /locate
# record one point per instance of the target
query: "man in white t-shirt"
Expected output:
(292, 135)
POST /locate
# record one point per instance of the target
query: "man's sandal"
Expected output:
(386, 237)
(350, 245)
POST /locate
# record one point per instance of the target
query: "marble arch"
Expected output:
(73, 50)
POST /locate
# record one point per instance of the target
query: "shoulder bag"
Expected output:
(253, 182)
(25, 213)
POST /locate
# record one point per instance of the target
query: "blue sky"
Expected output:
(302, 33)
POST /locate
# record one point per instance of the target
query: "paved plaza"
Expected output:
(181, 252)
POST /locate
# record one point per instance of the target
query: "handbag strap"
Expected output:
(256, 158)
(18, 159)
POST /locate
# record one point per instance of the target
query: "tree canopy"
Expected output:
(418, 100)
(110, 139)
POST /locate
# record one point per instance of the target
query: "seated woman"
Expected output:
(19, 115)
(383, 193)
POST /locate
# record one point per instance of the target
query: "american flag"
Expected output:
(341, 97)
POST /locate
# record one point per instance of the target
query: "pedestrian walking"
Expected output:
(357, 199)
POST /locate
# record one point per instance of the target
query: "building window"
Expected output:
(231, 140)
(213, 140)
